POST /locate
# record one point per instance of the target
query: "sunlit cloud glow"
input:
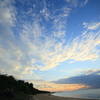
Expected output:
(44, 85)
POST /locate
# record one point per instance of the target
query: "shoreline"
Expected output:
(52, 97)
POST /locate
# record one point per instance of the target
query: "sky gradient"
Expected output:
(55, 44)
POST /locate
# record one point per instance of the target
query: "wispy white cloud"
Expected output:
(51, 52)
(75, 3)
(6, 12)
(39, 47)
(90, 71)
(45, 12)
(92, 25)
(84, 3)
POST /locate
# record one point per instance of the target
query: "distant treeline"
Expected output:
(12, 88)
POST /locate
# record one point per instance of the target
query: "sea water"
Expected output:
(89, 94)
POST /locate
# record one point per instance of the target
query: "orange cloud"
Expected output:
(46, 86)
(64, 87)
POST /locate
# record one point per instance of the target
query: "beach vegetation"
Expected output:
(14, 89)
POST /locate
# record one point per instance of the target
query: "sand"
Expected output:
(51, 97)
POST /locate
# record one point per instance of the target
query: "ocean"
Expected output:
(89, 94)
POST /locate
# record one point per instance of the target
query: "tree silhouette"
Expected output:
(10, 87)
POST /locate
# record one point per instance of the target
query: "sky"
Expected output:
(54, 44)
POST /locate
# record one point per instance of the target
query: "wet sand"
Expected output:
(51, 97)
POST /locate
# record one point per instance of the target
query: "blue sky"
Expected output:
(46, 41)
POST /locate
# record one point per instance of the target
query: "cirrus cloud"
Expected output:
(40, 43)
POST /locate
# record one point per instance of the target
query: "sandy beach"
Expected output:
(51, 97)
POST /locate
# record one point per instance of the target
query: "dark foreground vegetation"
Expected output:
(13, 89)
